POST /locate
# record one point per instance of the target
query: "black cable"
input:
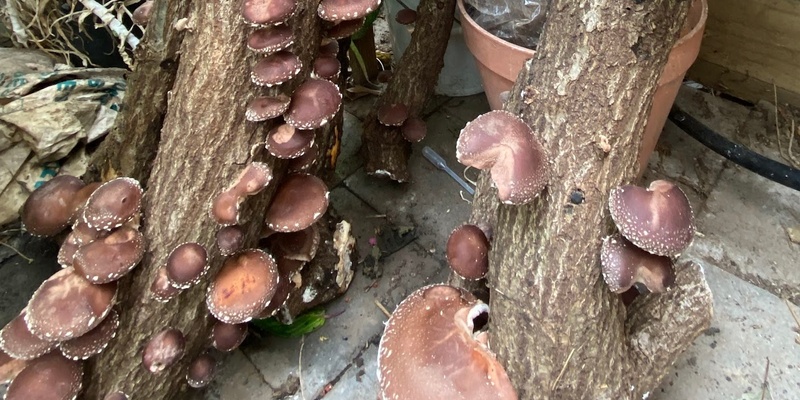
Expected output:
(775, 171)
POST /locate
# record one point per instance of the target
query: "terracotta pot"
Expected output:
(499, 63)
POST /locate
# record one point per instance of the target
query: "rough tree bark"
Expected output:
(558, 330)
(385, 151)
(197, 152)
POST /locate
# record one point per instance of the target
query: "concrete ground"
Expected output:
(751, 351)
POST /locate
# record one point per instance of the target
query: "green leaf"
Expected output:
(302, 325)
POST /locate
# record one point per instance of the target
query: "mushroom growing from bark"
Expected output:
(430, 350)
(227, 337)
(17, 341)
(186, 264)
(658, 219)
(49, 209)
(300, 200)
(392, 114)
(314, 103)
(243, 287)
(345, 10)
(267, 107)
(468, 252)
(161, 290)
(503, 143)
(201, 371)
(110, 258)
(50, 376)
(625, 264)
(268, 12)
(230, 239)
(163, 350)
(276, 69)
(113, 203)
(92, 342)
(286, 142)
(414, 130)
(270, 39)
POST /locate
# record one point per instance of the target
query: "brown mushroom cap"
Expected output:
(270, 39)
(227, 337)
(326, 67)
(658, 219)
(345, 10)
(92, 342)
(328, 47)
(66, 306)
(300, 200)
(314, 103)
(253, 179)
(201, 371)
(18, 342)
(301, 245)
(48, 210)
(287, 269)
(51, 376)
(243, 286)
(141, 15)
(225, 208)
(306, 161)
(79, 201)
(161, 290)
(392, 114)
(345, 28)
(276, 69)
(468, 252)
(406, 16)
(230, 239)
(414, 130)
(267, 107)
(110, 258)
(625, 264)
(113, 203)
(268, 12)
(186, 264)
(286, 142)
(10, 367)
(502, 142)
(429, 350)
(163, 350)
(66, 253)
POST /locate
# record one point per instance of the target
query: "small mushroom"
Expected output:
(268, 12)
(625, 264)
(253, 179)
(406, 16)
(287, 270)
(92, 342)
(225, 208)
(392, 114)
(141, 15)
(270, 39)
(51, 376)
(658, 219)
(201, 371)
(227, 337)
(163, 350)
(286, 142)
(243, 286)
(306, 161)
(48, 210)
(299, 201)
(18, 342)
(414, 130)
(326, 67)
(434, 331)
(505, 144)
(314, 103)
(468, 252)
(113, 203)
(328, 47)
(266, 107)
(186, 264)
(301, 245)
(276, 68)
(161, 290)
(110, 258)
(230, 239)
(346, 10)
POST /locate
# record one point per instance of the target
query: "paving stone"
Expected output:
(20, 278)
(349, 160)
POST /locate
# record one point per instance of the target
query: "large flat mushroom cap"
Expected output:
(345, 10)
(300, 200)
(110, 258)
(66, 306)
(51, 376)
(243, 287)
(314, 103)
(286, 142)
(429, 351)
(48, 210)
(94, 341)
(276, 69)
(113, 203)
(267, 107)
(624, 265)
(18, 342)
(658, 219)
(268, 12)
(270, 39)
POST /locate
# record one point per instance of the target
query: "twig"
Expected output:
(16, 24)
(765, 384)
(28, 259)
(382, 308)
(791, 310)
(300, 367)
(116, 27)
(563, 368)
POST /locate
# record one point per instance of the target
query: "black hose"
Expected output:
(777, 172)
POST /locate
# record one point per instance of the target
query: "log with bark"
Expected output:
(385, 150)
(559, 331)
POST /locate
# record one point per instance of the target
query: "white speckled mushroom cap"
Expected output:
(51, 376)
(18, 341)
(314, 103)
(201, 371)
(625, 264)
(163, 350)
(276, 68)
(270, 39)
(186, 264)
(429, 350)
(243, 287)
(268, 12)
(286, 142)
(345, 10)
(267, 107)
(301, 200)
(227, 337)
(658, 219)
(110, 258)
(92, 342)
(49, 209)
(113, 203)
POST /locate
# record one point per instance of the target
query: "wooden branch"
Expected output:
(385, 151)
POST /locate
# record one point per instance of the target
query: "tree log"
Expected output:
(556, 327)
(385, 150)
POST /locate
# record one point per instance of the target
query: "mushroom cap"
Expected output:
(161, 290)
(306, 161)
(141, 15)
(18, 342)
(345, 28)
(92, 342)
(301, 245)
(328, 47)
(502, 142)
(266, 107)
(116, 396)
(406, 16)
(230, 239)
(253, 179)
(276, 69)
(227, 337)
(429, 350)
(186, 264)
(113, 203)
(10, 367)
(66, 253)
(163, 350)
(286, 142)
(468, 252)
(392, 114)
(66, 306)
(201, 371)
(225, 208)
(346, 10)
(658, 219)
(625, 264)
(243, 286)
(299, 201)
(287, 270)
(326, 67)
(414, 129)
(270, 39)
(51, 376)
(268, 12)
(314, 103)
(48, 210)
(80, 199)
(110, 258)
